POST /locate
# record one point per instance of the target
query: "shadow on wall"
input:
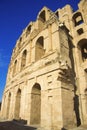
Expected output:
(76, 109)
(12, 125)
(63, 129)
(76, 97)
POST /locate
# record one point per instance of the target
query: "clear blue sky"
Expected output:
(14, 17)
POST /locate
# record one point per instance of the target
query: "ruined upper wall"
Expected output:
(33, 29)
(74, 21)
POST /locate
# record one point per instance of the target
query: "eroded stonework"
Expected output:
(47, 76)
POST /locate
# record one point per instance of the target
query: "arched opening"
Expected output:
(28, 30)
(17, 105)
(23, 61)
(57, 14)
(15, 67)
(83, 49)
(8, 105)
(42, 16)
(39, 48)
(77, 18)
(35, 116)
(20, 39)
(19, 45)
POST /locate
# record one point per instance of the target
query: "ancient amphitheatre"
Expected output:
(47, 75)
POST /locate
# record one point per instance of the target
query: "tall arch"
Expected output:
(82, 44)
(8, 105)
(39, 48)
(23, 61)
(15, 67)
(17, 104)
(35, 116)
(28, 30)
(77, 18)
(42, 16)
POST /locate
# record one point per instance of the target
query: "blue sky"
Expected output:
(14, 17)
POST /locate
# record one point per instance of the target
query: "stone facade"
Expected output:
(47, 76)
